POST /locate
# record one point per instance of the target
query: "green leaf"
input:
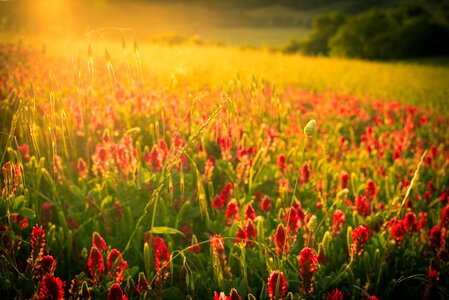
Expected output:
(77, 191)
(27, 212)
(19, 201)
(165, 230)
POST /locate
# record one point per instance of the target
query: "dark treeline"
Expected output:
(402, 32)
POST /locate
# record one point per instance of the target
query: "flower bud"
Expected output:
(310, 128)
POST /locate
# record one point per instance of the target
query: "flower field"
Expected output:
(118, 182)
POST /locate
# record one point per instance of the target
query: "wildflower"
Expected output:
(217, 244)
(344, 182)
(277, 285)
(305, 173)
(116, 293)
(361, 205)
(410, 222)
(162, 257)
(360, 238)
(281, 163)
(308, 261)
(370, 191)
(37, 242)
(95, 264)
(52, 288)
(220, 296)
(142, 284)
(47, 264)
(334, 295)
(224, 197)
(99, 242)
(232, 212)
(241, 236)
(292, 219)
(24, 151)
(19, 220)
(444, 217)
(444, 197)
(234, 295)
(83, 171)
(339, 219)
(116, 265)
(251, 232)
(280, 239)
(225, 147)
(436, 240)
(265, 204)
(250, 214)
(208, 169)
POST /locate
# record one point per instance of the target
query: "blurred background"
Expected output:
(366, 29)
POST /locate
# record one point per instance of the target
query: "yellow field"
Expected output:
(218, 66)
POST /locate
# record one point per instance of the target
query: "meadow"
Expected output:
(135, 170)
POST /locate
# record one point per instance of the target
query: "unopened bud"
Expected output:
(310, 128)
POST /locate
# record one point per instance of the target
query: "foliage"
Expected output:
(323, 29)
(400, 32)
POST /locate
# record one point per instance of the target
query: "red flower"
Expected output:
(436, 237)
(95, 264)
(142, 284)
(241, 236)
(19, 220)
(410, 222)
(37, 242)
(308, 261)
(277, 285)
(218, 202)
(292, 219)
(361, 205)
(280, 239)
(360, 238)
(305, 173)
(344, 182)
(116, 265)
(234, 295)
(444, 217)
(52, 288)
(265, 204)
(162, 257)
(334, 295)
(24, 151)
(232, 212)
(397, 231)
(47, 264)
(99, 242)
(370, 191)
(116, 293)
(281, 163)
(250, 213)
(339, 218)
(83, 171)
(251, 232)
(217, 244)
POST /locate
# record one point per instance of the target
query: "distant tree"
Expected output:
(323, 28)
(394, 33)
